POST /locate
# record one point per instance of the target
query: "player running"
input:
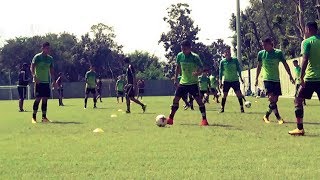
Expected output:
(23, 81)
(41, 70)
(310, 73)
(297, 72)
(189, 66)
(119, 88)
(231, 71)
(214, 81)
(91, 82)
(268, 61)
(60, 88)
(131, 86)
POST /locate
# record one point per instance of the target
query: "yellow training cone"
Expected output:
(98, 130)
(114, 116)
(120, 110)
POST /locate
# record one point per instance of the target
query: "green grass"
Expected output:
(235, 146)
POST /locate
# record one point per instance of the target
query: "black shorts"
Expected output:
(214, 91)
(141, 91)
(183, 90)
(22, 92)
(91, 90)
(42, 90)
(272, 88)
(309, 88)
(235, 85)
(120, 93)
(129, 90)
(203, 92)
(60, 92)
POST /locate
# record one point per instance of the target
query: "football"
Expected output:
(161, 121)
(247, 104)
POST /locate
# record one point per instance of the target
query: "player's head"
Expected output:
(186, 47)
(267, 44)
(311, 29)
(126, 60)
(227, 53)
(295, 63)
(46, 48)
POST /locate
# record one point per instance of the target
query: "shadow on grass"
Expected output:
(65, 122)
(255, 113)
(311, 123)
(212, 125)
(146, 113)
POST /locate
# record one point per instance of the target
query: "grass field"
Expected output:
(234, 146)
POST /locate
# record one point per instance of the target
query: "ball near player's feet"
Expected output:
(247, 104)
(161, 121)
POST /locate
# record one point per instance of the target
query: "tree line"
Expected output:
(282, 20)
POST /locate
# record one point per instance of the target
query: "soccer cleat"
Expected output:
(281, 121)
(128, 112)
(221, 110)
(265, 119)
(204, 122)
(170, 121)
(242, 110)
(297, 132)
(21, 110)
(46, 120)
(144, 107)
(33, 121)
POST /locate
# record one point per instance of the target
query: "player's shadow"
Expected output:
(65, 122)
(146, 113)
(310, 123)
(211, 125)
(254, 113)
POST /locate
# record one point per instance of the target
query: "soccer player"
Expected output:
(119, 88)
(231, 71)
(297, 72)
(91, 82)
(214, 86)
(204, 83)
(189, 66)
(99, 88)
(140, 85)
(310, 73)
(60, 88)
(268, 61)
(131, 86)
(41, 70)
(23, 81)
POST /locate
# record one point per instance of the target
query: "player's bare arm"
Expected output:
(286, 66)
(258, 73)
(305, 61)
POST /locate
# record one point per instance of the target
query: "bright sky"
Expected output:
(138, 24)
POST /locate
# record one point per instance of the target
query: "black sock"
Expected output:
(300, 126)
(44, 109)
(174, 109)
(268, 113)
(203, 112)
(240, 101)
(94, 101)
(128, 104)
(35, 109)
(223, 102)
(85, 102)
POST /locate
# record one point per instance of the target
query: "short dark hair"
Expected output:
(267, 40)
(295, 61)
(126, 60)
(227, 48)
(312, 25)
(45, 44)
(185, 43)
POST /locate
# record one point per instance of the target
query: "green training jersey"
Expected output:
(204, 83)
(311, 48)
(230, 69)
(91, 79)
(270, 64)
(120, 85)
(213, 81)
(42, 64)
(189, 64)
(297, 72)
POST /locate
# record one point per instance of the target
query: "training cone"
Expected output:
(98, 130)
(120, 110)
(114, 116)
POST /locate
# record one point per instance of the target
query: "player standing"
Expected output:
(91, 82)
(119, 88)
(131, 86)
(230, 69)
(41, 70)
(268, 61)
(99, 89)
(189, 66)
(140, 85)
(23, 81)
(310, 73)
(60, 88)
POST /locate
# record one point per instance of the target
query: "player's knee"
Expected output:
(273, 106)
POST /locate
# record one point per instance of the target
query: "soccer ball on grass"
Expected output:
(247, 104)
(161, 121)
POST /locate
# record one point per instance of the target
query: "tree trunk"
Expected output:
(317, 5)
(268, 23)
(256, 34)
(300, 17)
